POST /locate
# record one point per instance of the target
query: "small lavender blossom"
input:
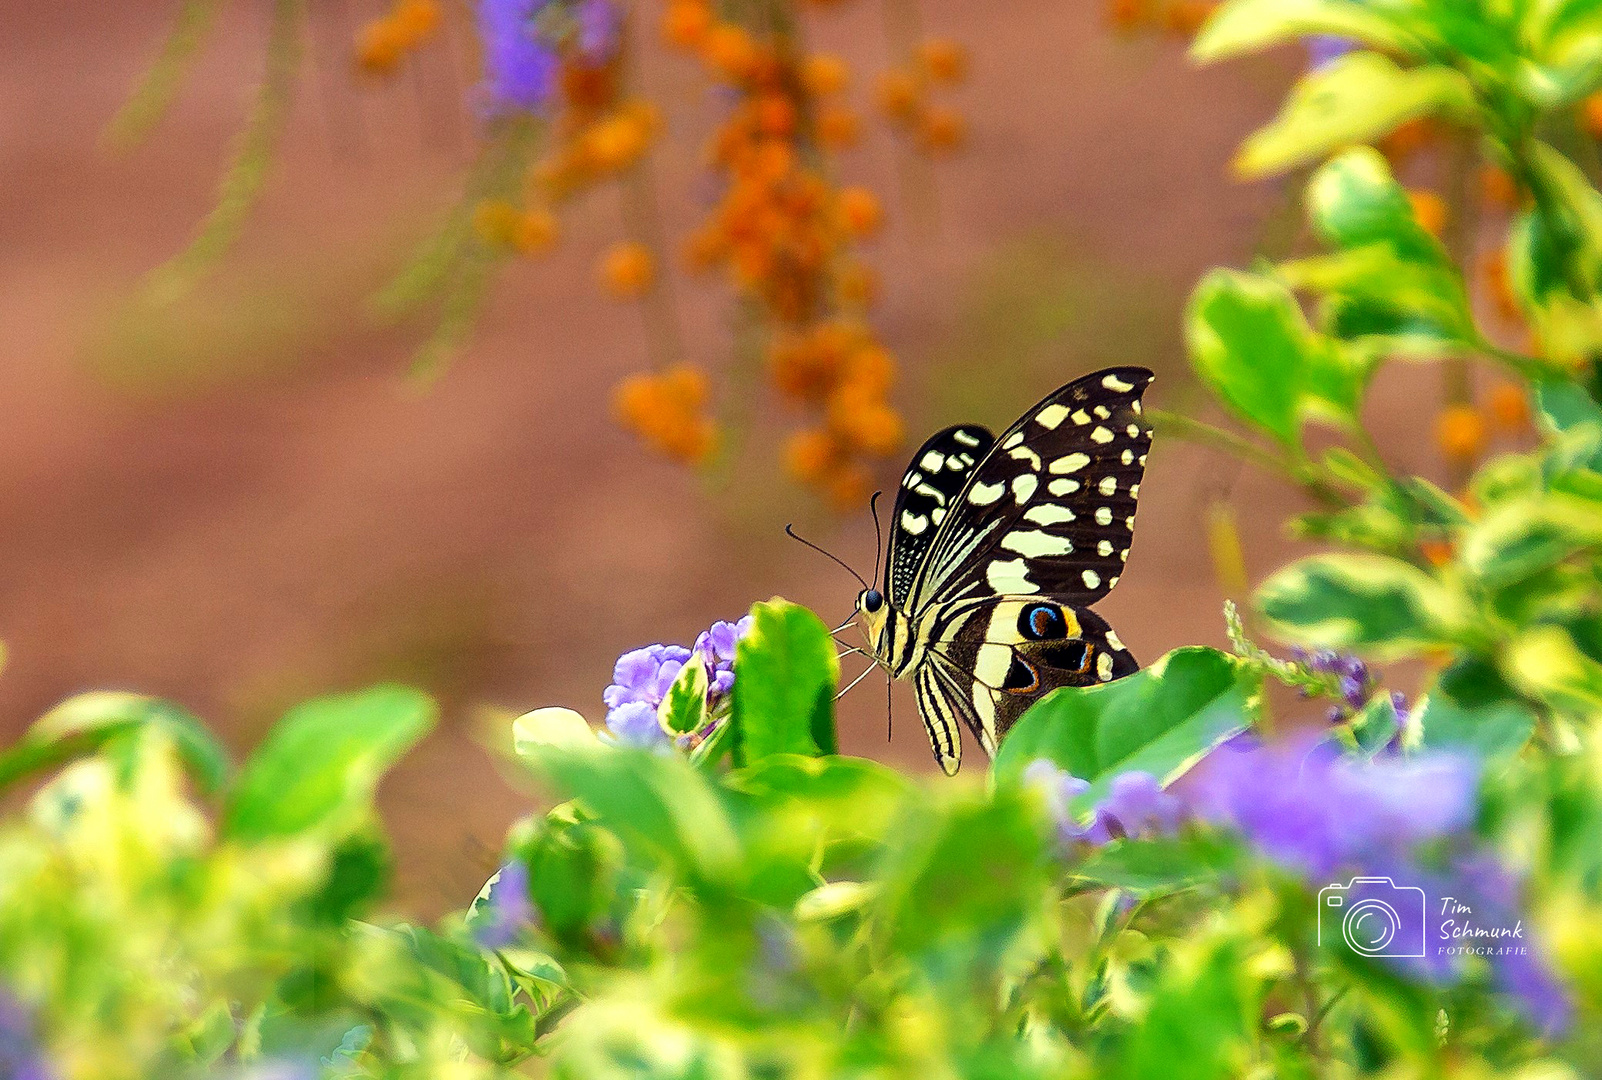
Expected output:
(20, 1057)
(717, 647)
(507, 909)
(1326, 48)
(640, 680)
(1135, 805)
(519, 65)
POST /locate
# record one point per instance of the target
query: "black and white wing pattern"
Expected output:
(998, 547)
(1050, 510)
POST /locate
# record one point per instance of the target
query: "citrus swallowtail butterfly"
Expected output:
(997, 549)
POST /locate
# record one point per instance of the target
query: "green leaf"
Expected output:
(659, 804)
(318, 768)
(683, 708)
(1249, 341)
(1160, 720)
(1565, 405)
(1354, 99)
(965, 867)
(87, 723)
(1159, 864)
(786, 671)
(1370, 602)
(1354, 201)
(1196, 1025)
(1473, 710)
(1543, 662)
(552, 726)
(1518, 539)
(1243, 26)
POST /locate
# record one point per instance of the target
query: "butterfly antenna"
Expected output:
(889, 708)
(878, 535)
(789, 530)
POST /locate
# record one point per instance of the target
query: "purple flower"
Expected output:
(507, 909)
(599, 23)
(519, 66)
(642, 678)
(20, 1058)
(717, 646)
(1308, 807)
(1326, 48)
(1135, 805)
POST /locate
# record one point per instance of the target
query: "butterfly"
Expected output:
(997, 549)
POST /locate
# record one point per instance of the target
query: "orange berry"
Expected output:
(495, 221)
(1591, 115)
(1125, 14)
(1436, 552)
(941, 130)
(810, 455)
(1493, 265)
(628, 269)
(731, 52)
(775, 115)
(1509, 407)
(871, 368)
(416, 20)
(943, 60)
(857, 286)
(705, 247)
(1185, 17)
(1460, 432)
(864, 421)
(898, 95)
(823, 74)
(1429, 209)
(685, 23)
(380, 46)
(615, 142)
(1407, 138)
(860, 211)
(805, 368)
(838, 127)
(1498, 187)
(535, 231)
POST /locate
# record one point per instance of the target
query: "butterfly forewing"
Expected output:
(939, 471)
(1050, 510)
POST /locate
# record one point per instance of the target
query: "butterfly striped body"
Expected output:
(997, 549)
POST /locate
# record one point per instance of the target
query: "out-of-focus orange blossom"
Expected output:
(1591, 115)
(860, 211)
(1509, 407)
(1460, 432)
(1407, 138)
(1185, 17)
(685, 23)
(1493, 266)
(1429, 210)
(668, 409)
(824, 74)
(1126, 15)
(1498, 188)
(1436, 552)
(384, 42)
(838, 127)
(628, 269)
(898, 95)
(943, 60)
(535, 231)
(942, 130)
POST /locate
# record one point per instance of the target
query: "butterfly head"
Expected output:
(874, 608)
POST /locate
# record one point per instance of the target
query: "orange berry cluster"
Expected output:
(668, 409)
(1180, 17)
(787, 238)
(902, 95)
(382, 44)
(1461, 431)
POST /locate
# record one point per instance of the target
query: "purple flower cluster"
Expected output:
(524, 42)
(641, 678)
(1134, 807)
(1311, 808)
(20, 1058)
(507, 909)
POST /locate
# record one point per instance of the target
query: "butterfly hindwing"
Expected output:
(1050, 509)
(938, 473)
(993, 659)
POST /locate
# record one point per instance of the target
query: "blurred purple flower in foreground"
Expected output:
(641, 679)
(20, 1058)
(1310, 808)
(1326, 48)
(519, 66)
(1135, 805)
(507, 909)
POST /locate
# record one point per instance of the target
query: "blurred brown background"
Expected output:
(243, 502)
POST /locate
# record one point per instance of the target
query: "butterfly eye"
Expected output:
(872, 600)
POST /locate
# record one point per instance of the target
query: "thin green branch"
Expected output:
(153, 94)
(1198, 431)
